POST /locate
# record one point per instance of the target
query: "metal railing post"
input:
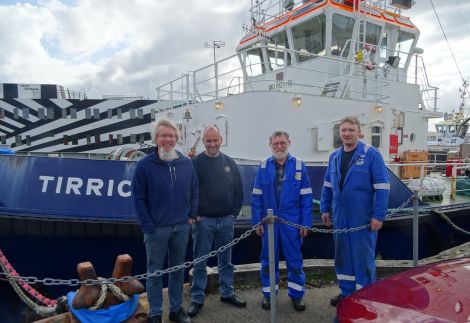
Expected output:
(415, 228)
(272, 272)
(453, 182)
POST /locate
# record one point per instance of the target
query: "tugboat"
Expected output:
(300, 67)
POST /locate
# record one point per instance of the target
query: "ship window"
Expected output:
(336, 137)
(28, 140)
(376, 136)
(88, 140)
(50, 113)
(133, 139)
(97, 139)
(2, 113)
(74, 140)
(403, 47)
(276, 51)
(152, 114)
(110, 138)
(341, 32)
(140, 114)
(96, 113)
(41, 113)
(73, 113)
(254, 66)
(451, 128)
(64, 113)
(132, 114)
(309, 37)
(15, 113)
(141, 138)
(66, 139)
(119, 113)
(26, 113)
(3, 140)
(413, 137)
(110, 113)
(372, 33)
(119, 139)
(18, 140)
(87, 114)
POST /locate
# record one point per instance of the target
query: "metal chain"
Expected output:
(449, 221)
(38, 309)
(77, 282)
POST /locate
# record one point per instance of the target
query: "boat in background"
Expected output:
(300, 67)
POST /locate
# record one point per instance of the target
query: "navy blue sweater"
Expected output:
(165, 193)
(220, 186)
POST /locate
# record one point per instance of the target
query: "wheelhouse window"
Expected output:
(336, 136)
(372, 33)
(403, 47)
(254, 61)
(376, 136)
(276, 51)
(341, 32)
(309, 37)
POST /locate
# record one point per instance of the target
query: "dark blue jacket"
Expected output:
(165, 193)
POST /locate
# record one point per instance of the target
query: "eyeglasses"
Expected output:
(280, 143)
(166, 136)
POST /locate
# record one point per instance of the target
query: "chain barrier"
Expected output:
(110, 281)
(45, 311)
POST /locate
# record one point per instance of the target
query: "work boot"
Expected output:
(299, 304)
(335, 300)
(194, 308)
(180, 316)
(234, 300)
(266, 303)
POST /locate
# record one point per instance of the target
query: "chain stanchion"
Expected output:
(415, 228)
(269, 220)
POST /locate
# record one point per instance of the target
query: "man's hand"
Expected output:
(191, 220)
(375, 225)
(303, 232)
(260, 230)
(326, 218)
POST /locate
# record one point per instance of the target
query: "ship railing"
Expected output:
(450, 172)
(227, 77)
(71, 95)
(381, 60)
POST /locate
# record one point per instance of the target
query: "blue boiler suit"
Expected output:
(294, 205)
(364, 196)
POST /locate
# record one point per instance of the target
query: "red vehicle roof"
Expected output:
(438, 292)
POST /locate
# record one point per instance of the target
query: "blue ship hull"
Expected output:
(58, 212)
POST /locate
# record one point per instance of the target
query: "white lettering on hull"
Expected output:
(91, 186)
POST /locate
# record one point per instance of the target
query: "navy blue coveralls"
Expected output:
(364, 196)
(295, 205)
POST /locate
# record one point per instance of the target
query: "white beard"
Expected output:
(280, 154)
(167, 155)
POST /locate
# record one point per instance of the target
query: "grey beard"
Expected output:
(280, 155)
(167, 155)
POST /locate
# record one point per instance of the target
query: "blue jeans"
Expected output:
(171, 240)
(205, 233)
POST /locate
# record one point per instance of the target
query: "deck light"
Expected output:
(187, 115)
(378, 108)
(297, 101)
(219, 105)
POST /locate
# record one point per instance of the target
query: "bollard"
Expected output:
(272, 266)
(415, 228)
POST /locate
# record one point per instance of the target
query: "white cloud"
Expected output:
(130, 47)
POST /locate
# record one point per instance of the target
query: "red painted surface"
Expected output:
(432, 293)
(393, 144)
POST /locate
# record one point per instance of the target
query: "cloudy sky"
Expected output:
(129, 47)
